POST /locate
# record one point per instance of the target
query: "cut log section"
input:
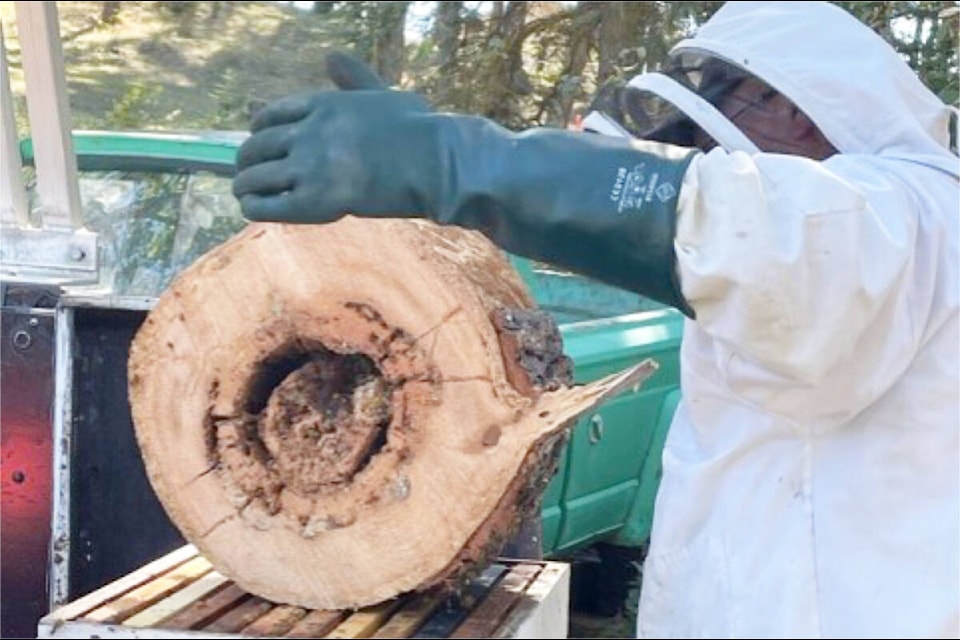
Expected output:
(335, 415)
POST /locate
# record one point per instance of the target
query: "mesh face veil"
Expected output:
(677, 106)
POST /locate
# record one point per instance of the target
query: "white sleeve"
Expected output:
(793, 269)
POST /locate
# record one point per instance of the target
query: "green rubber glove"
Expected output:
(598, 206)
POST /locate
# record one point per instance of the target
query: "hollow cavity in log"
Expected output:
(314, 419)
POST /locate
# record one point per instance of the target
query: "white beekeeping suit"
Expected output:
(811, 478)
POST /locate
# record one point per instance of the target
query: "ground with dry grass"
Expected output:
(153, 69)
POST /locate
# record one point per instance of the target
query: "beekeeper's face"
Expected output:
(771, 121)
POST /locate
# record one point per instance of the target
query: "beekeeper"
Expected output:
(788, 184)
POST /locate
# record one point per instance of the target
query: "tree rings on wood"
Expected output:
(338, 414)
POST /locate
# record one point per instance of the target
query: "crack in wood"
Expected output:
(203, 473)
(225, 519)
(478, 378)
(444, 319)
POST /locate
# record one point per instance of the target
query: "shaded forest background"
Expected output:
(209, 65)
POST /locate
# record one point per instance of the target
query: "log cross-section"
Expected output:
(338, 414)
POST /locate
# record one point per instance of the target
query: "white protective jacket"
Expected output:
(811, 478)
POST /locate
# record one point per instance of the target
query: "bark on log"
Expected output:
(335, 415)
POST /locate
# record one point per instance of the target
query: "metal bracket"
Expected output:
(48, 255)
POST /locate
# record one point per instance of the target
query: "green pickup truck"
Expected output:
(159, 201)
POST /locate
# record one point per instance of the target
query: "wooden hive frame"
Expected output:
(182, 596)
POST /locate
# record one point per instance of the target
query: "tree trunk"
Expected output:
(338, 414)
(109, 12)
(504, 78)
(389, 20)
(446, 33)
(621, 29)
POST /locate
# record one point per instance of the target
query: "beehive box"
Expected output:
(182, 596)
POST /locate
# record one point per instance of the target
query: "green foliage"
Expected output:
(231, 107)
(130, 110)
(925, 33)
(176, 65)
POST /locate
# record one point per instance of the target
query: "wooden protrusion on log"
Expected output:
(338, 414)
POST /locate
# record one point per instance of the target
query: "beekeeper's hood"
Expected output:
(858, 91)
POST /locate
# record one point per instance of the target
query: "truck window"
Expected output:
(570, 297)
(151, 225)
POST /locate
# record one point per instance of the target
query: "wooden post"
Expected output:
(58, 250)
(13, 196)
(48, 108)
